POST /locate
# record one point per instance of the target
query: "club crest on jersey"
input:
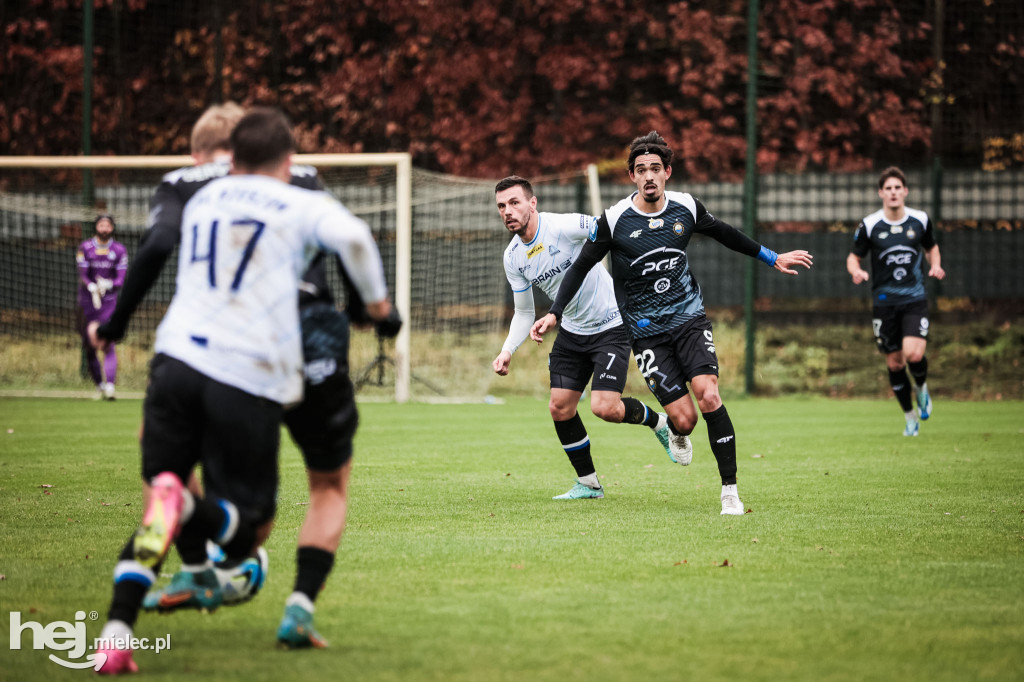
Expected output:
(655, 223)
(534, 251)
(635, 233)
(678, 228)
(911, 234)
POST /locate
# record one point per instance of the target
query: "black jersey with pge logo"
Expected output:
(895, 255)
(654, 286)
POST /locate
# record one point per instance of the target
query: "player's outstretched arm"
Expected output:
(155, 249)
(542, 326)
(787, 261)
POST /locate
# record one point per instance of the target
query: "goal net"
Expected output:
(439, 236)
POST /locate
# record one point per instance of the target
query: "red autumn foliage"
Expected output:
(484, 88)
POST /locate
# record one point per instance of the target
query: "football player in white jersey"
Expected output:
(895, 237)
(592, 342)
(229, 357)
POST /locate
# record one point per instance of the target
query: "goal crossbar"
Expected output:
(403, 217)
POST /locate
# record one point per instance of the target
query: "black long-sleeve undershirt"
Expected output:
(593, 251)
(155, 248)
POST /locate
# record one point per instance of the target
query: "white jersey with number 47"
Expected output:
(245, 241)
(545, 260)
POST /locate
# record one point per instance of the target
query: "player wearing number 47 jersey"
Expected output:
(662, 307)
(591, 343)
(895, 237)
(229, 357)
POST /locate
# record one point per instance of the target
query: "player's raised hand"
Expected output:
(501, 363)
(859, 276)
(936, 271)
(786, 261)
(541, 327)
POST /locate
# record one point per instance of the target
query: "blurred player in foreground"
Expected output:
(662, 306)
(102, 263)
(322, 426)
(229, 357)
(592, 342)
(895, 236)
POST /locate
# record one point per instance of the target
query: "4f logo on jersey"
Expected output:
(552, 250)
(655, 223)
(659, 260)
(534, 251)
(635, 233)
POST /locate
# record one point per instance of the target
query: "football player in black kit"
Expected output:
(322, 425)
(895, 237)
(660, 300)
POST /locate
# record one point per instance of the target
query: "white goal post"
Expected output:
(401, 162)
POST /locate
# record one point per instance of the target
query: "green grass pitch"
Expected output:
(865, 556)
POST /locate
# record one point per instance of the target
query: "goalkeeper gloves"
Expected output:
(104, 284)
(96, 296)
(390, 325)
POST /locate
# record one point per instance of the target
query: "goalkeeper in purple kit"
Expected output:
(102, 263)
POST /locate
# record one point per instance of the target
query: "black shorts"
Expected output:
(892, 323)
(575, 358)
(323, 424)
(670, 359)
(188, 418)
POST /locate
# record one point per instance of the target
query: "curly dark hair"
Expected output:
(651, 143)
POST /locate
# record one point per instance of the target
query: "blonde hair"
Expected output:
(212, 132)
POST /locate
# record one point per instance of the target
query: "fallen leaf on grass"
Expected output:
(3, 577)
(648, 466)
(754, 540)
(724, 564)
(518, 567)
(46, 485)
(749, 511)
(757, 456)
(104, 504)
(680, 563)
